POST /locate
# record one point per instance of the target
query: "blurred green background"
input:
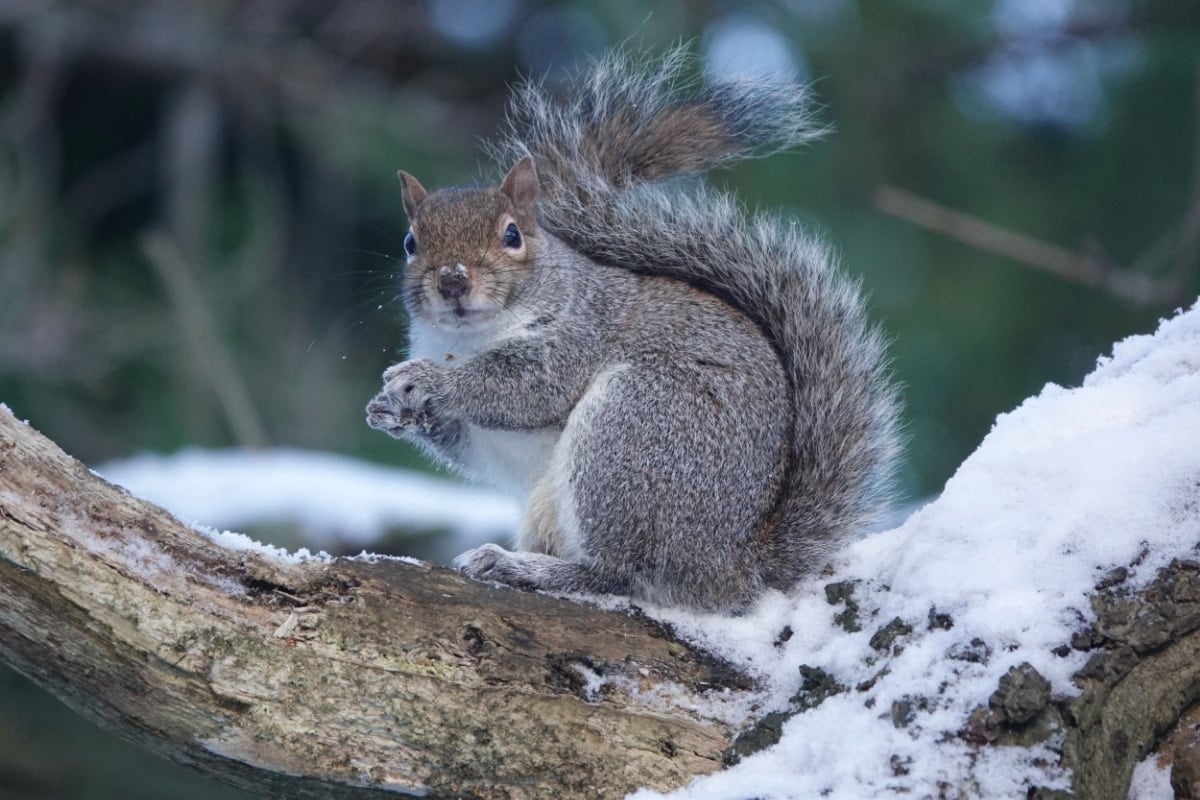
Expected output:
(199, 219)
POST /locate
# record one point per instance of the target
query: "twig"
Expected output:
(1188, 250)
(198, 327)
(1089, 270)
(26, 127)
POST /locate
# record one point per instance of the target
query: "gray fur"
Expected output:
(702, 408)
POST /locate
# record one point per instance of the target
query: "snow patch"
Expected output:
(240, 542)
(334, 499)
(1150, 781)
(4, 409)
(375, 558)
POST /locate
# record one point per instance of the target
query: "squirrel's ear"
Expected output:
(411, 191)
(521, 187)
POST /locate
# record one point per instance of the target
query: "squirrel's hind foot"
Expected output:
(523, 570)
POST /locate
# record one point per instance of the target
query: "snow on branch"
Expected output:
(1073, 526)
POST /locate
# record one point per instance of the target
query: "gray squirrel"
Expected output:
(690, 403)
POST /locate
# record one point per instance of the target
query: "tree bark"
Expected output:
(335, 678)
(1141, 680)
(339, 678)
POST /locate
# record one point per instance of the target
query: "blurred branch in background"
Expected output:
(196, 321)
(243, 137)
(1093, 268)
(1088, 269)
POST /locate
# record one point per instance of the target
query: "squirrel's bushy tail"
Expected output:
(601, 156)
(632, 120)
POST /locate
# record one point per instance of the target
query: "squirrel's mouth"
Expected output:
(461, 316)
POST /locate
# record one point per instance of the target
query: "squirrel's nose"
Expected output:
(453, 282)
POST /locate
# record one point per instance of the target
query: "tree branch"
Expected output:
(325, 678)
(1090, 269)
(199, 328)
(1087, 269)
(334, 678)
(1143, 674)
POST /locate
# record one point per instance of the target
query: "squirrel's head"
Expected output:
(468, 249)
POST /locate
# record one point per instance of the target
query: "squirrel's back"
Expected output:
(604, 156)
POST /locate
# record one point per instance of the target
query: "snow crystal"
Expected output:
(374, 558)
(240, 542)
(1065, 487)
(6, 410)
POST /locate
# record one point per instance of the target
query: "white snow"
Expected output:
(4, 409)
(334, 499)
(1150, 781)
(243, 543)
(1067, 486)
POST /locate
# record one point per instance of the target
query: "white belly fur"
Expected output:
(509, 460)
(551, 523)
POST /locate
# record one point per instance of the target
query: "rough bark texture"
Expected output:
(1137, 687)
(332, 679)
(1144, 675)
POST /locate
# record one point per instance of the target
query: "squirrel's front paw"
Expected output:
(491, 562)
(383, 415)
(410, 400)
(415, 386)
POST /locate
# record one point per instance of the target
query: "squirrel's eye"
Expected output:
(512, 236)
(410, 245)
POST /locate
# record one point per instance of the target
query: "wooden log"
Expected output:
(339, 678)
(335, 678)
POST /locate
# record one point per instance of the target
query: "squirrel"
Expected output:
(690, 403)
